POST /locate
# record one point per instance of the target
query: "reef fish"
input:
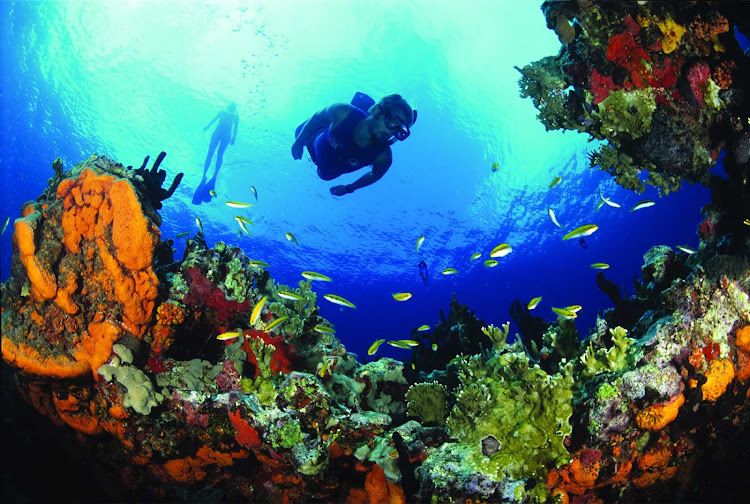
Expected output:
(434, 347)
(255, 314)
(291, 296)
(686, 249)
(555, 181)
(212, 193)
(490, 263)
(324, 329)
(258, 264)
(423, 327)
(495, 167)
(401, 296)
(291, 238)
(255, 192)
(200, 226)
(585, 230)
(450, 271)
(567, 314)
(475, 255)
(420, 241)
(374, 347)
(311, 275)
(600, 266)
(745, 222)
(238, 204)
(608, 201)
(228, 335)
(179, 235)
(643, 204)
(276, 323)
(575, 308)
(534, 302)
(401, 344)
(5, 225)
(242, 225)
(423, 271)
(501, 250)
(552, 217)
(333, 298)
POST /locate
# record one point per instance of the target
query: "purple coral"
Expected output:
(228, 378)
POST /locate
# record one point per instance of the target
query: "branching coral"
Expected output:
(427, 401)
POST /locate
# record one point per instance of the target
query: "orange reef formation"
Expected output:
(116, 342)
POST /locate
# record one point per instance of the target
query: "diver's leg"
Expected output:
(220, 157)
(211, 149)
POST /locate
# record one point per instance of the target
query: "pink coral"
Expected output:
(203, 291)
(228, 378)
(697, 76)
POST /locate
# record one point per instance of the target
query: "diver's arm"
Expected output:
(379, 168)
(329, 115)
(212, 121)
(236, 125)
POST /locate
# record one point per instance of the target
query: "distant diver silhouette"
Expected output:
(223, 136)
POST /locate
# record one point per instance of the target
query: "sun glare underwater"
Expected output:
(129, 79)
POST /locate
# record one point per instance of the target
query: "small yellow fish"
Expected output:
(686, 249)
(333, 298)
(258, 264)
(242, 226)
(409, 343)
(609, 202)
(399, 344)
(174, 250)
(413, 367)
(182, 235)
(552, 217)
(5, 225)
(228, 335)
(401, 296)
(534, 302)
(420, 241)
(501, 250)
(212, 193)
(200, 226)
(311, 275)
(255, 193)
(643, 204)
(575, 308)
(291, 296)
(374, 347)
(244, 219)
(291, 238)
(495, 167)
(490, 263)
(238, 204)
(324, 329)
(423, 327)
(580, 231)
(564, 313)
(474, 256)
(745, 222)
(276, 323)
(255, 314)
(450, 271)
(555, 181)
(600, 266)
(599, 205)
(239, 233)
(434, 347)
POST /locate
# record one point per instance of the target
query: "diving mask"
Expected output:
(397, 126)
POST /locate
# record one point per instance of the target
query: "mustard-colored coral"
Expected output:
(658, 416)
(672, 32)
(719, 375)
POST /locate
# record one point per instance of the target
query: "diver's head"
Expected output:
(232, 107)
(397, 117)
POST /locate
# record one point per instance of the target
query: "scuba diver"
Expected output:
(223, 136)
(343, 138)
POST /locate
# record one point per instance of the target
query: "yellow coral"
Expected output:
(672, 35)
(719, 375)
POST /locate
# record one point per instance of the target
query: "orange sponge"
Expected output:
(719, 375)
(658, 416)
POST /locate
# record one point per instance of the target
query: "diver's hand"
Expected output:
(297, 150)
(340, 190)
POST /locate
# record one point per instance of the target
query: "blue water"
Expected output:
(129, 79)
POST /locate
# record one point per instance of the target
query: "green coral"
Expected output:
(236, 281)
(626, 113)
(563, 337)
(287, 435)
(621, 166)
(497, 335)
(518, 404)
(427, 401)
(297, 311)
(613, 359)
(264, 384)
(140, 394)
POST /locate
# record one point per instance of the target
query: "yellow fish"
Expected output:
(238, 204)
(200, 226)
(424, 327)
(745, 222)
(607, 201)
(495, 167)
(687, 249)
(580, 231)
(258, 264)
(291, 238)
(420, 241)
(534, 302)
(573, 308)
(401, 296)
(212, 193)
(474, 256)
(255, 193)
(324, 329)
(490, 263)
(600, 266)
(5, 225)
(174, 250)
(333, 298)
(564, 313)
(244, 219)
(555, 181)
(434, 347)
(276, 322)
(242, 225)
(290, 296)
(400, 344)
(450, 271)
(552, 217)
(643, 204)
(374, 347)
(409, 343)
(255, 314)
(311, 275)
(501, 250)
(228, 335)
(182, 235)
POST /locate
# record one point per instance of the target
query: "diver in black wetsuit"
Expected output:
(343, 138)
(223, 136)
